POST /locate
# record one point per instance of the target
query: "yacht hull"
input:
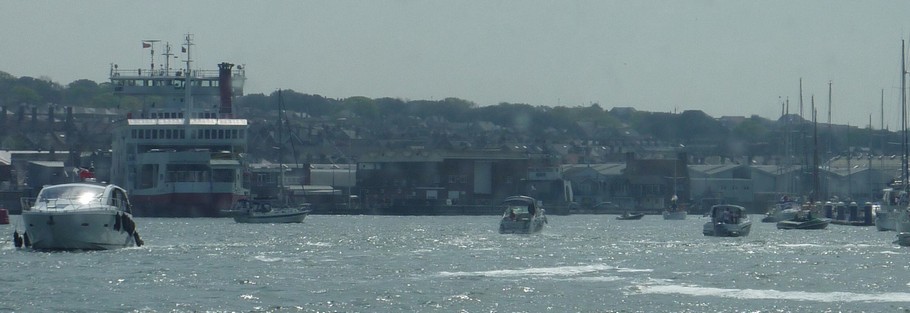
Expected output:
(84, 230)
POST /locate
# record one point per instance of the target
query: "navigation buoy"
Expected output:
(17, 240)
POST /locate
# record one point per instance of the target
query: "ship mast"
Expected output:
(188, 81)
(151, 44)
(167, 58)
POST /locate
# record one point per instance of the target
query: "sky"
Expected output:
(724, 57)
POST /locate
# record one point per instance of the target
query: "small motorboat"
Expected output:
(628, 217)
(523, 215)
(728, 220)
(675, 211)
(804, 222)
(903, 239)
(784, 210)
(257, 211)
(78, 216)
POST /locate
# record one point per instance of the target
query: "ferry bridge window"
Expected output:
(187, 173)
(222, 175)
(154, 134)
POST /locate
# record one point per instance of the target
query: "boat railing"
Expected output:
(195, 74)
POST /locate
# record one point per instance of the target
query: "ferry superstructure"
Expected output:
(182, 155)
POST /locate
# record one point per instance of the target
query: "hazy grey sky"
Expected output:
(722, 57)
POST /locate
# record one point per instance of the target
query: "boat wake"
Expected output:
(770, 294)
(559, 271)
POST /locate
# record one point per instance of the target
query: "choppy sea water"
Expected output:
(579, 263)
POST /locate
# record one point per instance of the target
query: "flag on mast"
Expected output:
(146, 45)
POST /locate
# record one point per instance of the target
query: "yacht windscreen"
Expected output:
(81, 194)
(517, 209)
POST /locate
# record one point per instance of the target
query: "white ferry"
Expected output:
(182, 155)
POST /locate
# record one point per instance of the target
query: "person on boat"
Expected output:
(86, 173)
(725, 217)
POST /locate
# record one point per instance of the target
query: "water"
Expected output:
(579, 263)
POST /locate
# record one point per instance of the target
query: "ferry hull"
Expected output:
(183, 204)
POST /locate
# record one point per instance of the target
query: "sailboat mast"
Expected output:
(869, 166)
(830, 132)
(904, 170)
(804, 155)
(801, 97)
(280, 149)
(883, 133)
(815, 195)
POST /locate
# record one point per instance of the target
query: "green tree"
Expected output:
(81, 93)
(22, 94)
(362, 106)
